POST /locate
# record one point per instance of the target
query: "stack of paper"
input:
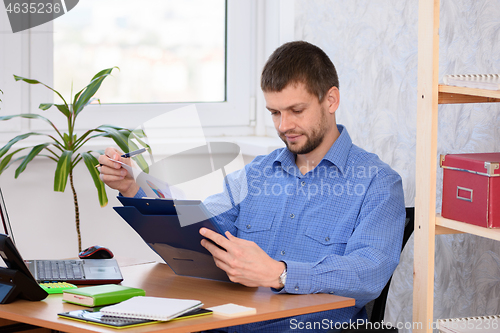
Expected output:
(154, 308)
(478, 81)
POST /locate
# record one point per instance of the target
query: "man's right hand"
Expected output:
(113, 175)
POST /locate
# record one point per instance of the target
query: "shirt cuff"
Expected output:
(138, 195)
(298, 278)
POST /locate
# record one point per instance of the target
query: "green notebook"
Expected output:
(101, 295)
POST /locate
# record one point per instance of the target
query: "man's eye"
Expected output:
(297, 111)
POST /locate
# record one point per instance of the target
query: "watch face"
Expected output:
(282, 278)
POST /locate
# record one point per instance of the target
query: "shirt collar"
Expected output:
(337, 154)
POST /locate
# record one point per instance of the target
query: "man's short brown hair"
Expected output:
(299, 62)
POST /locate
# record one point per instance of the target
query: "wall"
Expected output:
(374, 46)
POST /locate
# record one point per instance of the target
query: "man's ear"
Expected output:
(333, 99)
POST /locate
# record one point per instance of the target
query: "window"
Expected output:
(233, 110)
(167, 50)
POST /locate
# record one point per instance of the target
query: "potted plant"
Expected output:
(67, 149)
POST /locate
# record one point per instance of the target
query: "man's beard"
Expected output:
(314, 139)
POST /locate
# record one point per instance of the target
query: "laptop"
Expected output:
(171, 229)
(76, 271)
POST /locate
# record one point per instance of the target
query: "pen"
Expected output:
(135, 152)
(130, 154)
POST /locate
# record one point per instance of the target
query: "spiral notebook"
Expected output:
(483, 324)
(478, 81)
(153, 308)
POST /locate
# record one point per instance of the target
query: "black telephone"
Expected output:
(16, 279)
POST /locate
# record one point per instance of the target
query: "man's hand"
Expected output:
(243, 261)
(116, 177)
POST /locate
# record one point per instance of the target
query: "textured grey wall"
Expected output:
(374, 47)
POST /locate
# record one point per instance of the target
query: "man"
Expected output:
(319, 216)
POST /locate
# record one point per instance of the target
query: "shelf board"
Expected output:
(460, 95)
(456, 226)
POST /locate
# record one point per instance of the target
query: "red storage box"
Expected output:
(471, 188)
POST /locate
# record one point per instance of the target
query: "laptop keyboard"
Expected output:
(59, 269)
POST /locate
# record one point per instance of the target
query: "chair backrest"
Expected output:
(377, 306)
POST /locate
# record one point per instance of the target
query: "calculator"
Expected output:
(56, 287)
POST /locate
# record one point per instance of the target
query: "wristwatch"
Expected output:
(282, 278)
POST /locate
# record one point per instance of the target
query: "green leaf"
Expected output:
(29, 116)
(142, 143)
(141, 162)
(15, 160)
(139, 159)
(139, 133)
(31, 81)
(35, 151)
(45, 106)
(91, 162)
(86, 93)
(119, 137)
(62, 171)
(4, 164)
(18, 138)
(64, 109)
(118, 128)
(61, 107)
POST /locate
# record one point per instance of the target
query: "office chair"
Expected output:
(377, 306)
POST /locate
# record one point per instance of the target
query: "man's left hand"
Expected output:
(243, 261)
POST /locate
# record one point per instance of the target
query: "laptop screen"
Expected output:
(5, 225)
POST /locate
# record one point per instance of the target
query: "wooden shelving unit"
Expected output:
(428, 224)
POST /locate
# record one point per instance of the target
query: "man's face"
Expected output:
(298, 117)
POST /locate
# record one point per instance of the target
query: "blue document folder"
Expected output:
(174, 235)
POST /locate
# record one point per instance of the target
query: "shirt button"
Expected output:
(331, 292)
(303, 183)
(292, 216)
(327, 239)
(248, 226)
(283, 252)
(297, 288)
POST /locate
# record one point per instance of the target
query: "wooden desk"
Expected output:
(159, 280)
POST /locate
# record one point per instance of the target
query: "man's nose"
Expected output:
(286, 122)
